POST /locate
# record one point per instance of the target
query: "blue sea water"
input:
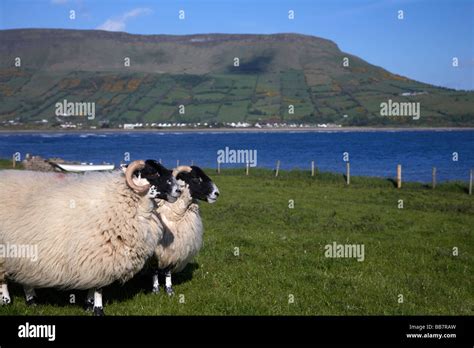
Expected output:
(371, 153)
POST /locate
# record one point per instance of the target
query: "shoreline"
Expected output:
(239, 130)
(288, 171)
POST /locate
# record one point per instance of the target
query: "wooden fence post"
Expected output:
(348, 173)
(434, 177)
(177, 163)
(218, 167)
(277, 168)
(399, 176)
(470, 181)
(247, 166)
(312, 168)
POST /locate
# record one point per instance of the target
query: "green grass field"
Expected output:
(281, 257)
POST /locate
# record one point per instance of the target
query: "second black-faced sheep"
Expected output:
(183, 229)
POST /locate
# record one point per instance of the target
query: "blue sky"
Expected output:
(421, 46)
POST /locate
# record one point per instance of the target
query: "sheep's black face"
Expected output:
(163, 185)
(200, 185)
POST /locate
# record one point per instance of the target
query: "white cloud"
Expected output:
(112, 25)
(119, 23)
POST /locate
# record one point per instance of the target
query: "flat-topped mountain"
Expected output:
(216, 77)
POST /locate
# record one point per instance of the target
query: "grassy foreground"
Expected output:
(281, 257)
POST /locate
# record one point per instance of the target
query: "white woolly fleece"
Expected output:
(183, 231)
(90, 230)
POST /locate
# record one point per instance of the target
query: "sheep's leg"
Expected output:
(98, 308)
(156, 282)
(4, 295)
(30, 296)
(89, 304)
(168, 285)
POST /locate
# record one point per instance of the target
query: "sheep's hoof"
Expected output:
(156, 290)
(89, 305)
(169, 290)
(5, 301)
(31, 302)
(98, 312)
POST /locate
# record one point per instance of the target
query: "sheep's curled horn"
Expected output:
(181, 169)
(132, 167)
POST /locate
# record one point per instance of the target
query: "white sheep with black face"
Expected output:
(89, 230)
(183, 229)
